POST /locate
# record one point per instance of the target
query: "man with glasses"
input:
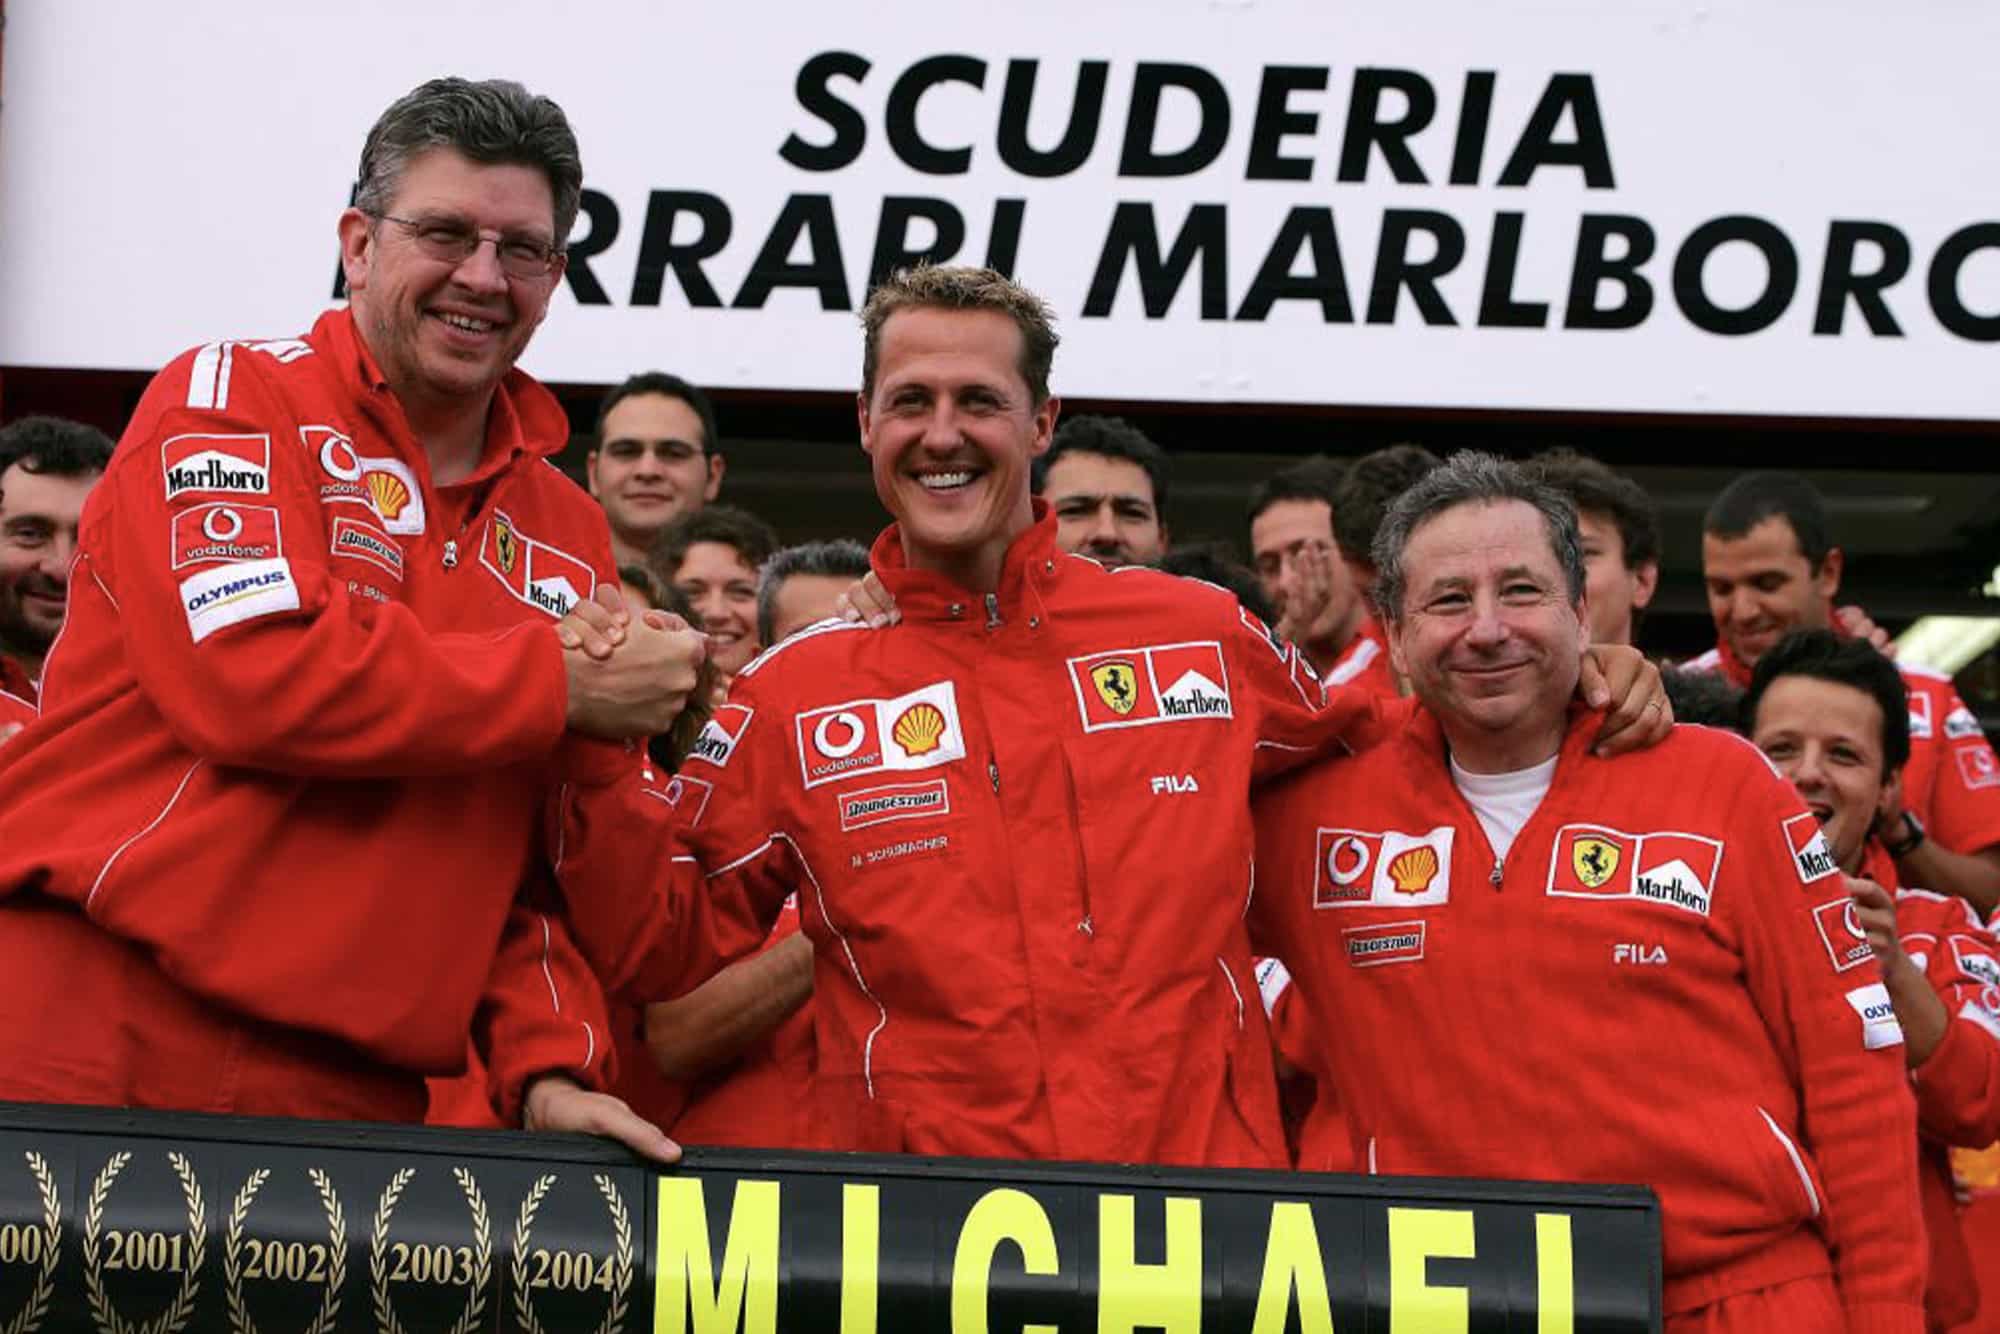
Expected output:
(273, 847)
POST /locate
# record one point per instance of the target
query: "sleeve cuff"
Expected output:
(589, 762)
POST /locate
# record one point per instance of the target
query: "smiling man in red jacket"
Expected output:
(1017, 821)
(1528, 961)
(263, 852)
(1829, 713)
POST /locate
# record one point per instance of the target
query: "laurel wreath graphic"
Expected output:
(29, 1318)
(524, 1309)
(175, 1317)
(336, 1263)
(482, 1247)
(621, 1227)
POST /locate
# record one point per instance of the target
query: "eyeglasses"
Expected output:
(453, 241)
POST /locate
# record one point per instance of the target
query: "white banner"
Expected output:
(1730, 206)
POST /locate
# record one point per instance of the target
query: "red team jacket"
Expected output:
(1952, 781)
(762, 1099)
(1018, 824)
(1645, 990)
(299, 729)
(1365, 663)
(1958, 1085)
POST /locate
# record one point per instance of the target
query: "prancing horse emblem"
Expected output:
(1116, 685)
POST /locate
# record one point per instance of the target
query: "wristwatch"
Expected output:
(1913, 837)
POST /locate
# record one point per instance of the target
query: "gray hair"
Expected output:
(841, 558)
(1470, 477)
(494, 121)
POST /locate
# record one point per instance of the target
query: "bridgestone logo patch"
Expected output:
(900, 801)
(1390, 942)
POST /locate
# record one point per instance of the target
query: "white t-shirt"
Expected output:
(1503, 802)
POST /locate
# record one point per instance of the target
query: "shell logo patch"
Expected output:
(919, 729)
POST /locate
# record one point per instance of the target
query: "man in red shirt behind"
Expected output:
(1771, 566)
(1829, 713)
(264, 850)
(1529, 961)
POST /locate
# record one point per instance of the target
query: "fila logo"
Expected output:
(1171, 785)
(1640, 955)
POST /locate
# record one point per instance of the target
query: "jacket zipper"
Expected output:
(472, 516)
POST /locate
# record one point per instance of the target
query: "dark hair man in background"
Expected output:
(47, 468)
(320, 589)
(1621, 540)
(656, 459)
(1829, 713)
(1771, 566)
(1477, 885)
(1107, 484)
(1363, 495)
(1320, 607)
(712, 556)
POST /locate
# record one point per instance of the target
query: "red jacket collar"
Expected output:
(1425, 734)
(525, 419)
(1878, 865)
(1738, 674)
(1032, 564)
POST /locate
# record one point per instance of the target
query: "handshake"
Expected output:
(629, 677)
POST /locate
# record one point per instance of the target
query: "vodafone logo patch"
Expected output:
(205, 534)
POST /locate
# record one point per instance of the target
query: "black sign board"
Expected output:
(143, 1223)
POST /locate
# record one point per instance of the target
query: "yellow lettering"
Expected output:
(1416, 1236)
(1164, 1296)
(1555, 1276)
(860, 1255)
(689, 1293)
(997, 1216)
(1292, 1264)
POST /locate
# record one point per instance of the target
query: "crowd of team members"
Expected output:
(372, 750)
